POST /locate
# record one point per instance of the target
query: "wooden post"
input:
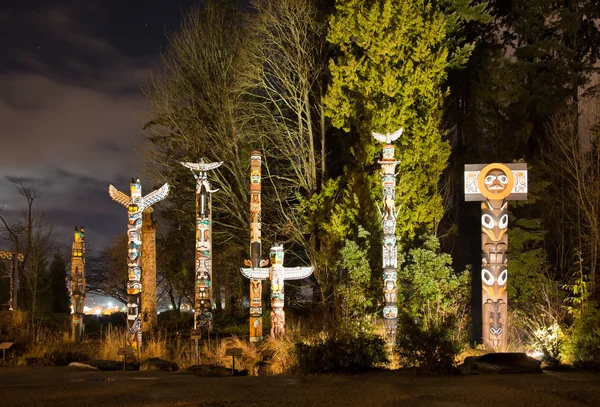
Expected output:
(149, 313)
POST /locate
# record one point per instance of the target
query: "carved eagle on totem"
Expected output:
(387, 138)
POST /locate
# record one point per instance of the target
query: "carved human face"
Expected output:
(496, 181)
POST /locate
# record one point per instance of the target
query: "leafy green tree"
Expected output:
(430, 290)
(61, 303)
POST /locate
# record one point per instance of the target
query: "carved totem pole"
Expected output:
(136, 204)
(277, 273)
(77, 286)
(495, 184)
(150, 312)
(203, 297)
(15, 260)
(388, 216)
(255, 261)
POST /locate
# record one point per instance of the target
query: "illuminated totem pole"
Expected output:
(15, 260)
(203, 299)
(388, 216)
(136, 204)
(277, 273)
(495, 185)
(77, 286)
(255, 262)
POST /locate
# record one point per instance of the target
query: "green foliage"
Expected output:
(341, 352)
(388, 74)
(355, 294)
(579, 292)
(582, 348)
(429, 288)
(430, 348)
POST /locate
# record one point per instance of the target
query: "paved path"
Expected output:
(65, 386)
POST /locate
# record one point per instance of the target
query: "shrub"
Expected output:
(341, 352)
(431, 349)
(582, 348)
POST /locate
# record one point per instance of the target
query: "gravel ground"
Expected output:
(66, 386)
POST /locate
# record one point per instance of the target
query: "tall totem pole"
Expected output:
(277, 273)
(77, 280)
(150, 312)
(255, 261)
(494, 185)
(136, 204)
(203, 297)
(388, 216)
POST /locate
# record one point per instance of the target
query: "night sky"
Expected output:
(71, 109)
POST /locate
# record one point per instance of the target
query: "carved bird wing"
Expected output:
(118, 196)
(261, 273)
(155, 196)
(202, 166)
(387, 138)
(395, 135)
(379, 137)
(297, 273)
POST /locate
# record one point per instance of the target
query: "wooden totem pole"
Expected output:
(255, 261)
(277, 273)
(494, 185)
(77, 280)
(136, 204)
(15, 260)
(203, 297)
(388, 216)
(150, 312)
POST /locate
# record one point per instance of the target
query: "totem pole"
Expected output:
(495, 184)
(149, 313)
(203, 297)
(77, 280)
(136, 204)
(255, 261)
(388, 216)
(15, 260)
(277, 273)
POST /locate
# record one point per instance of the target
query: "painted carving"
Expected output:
(278, 274)
(255, 261)
(135, 204)
(388, 215)
(494, 185)
(203, 296)
(77, 283)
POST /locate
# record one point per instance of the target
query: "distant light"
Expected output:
(171, 306)
(86, 309)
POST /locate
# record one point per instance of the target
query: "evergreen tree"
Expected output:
(388, 74)
(61, 303)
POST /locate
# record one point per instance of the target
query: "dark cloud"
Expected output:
(71, 108)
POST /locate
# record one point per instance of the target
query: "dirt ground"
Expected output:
(66, 386)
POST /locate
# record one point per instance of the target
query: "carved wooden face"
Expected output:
(493, 280)
(496, 181)
(494, 222)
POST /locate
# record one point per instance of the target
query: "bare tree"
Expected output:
(106, 272)
(199, 111)
(35, 229)
(574, 166)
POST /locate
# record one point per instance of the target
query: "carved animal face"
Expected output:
(494, 222)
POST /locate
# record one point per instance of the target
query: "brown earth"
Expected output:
(67, 386)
